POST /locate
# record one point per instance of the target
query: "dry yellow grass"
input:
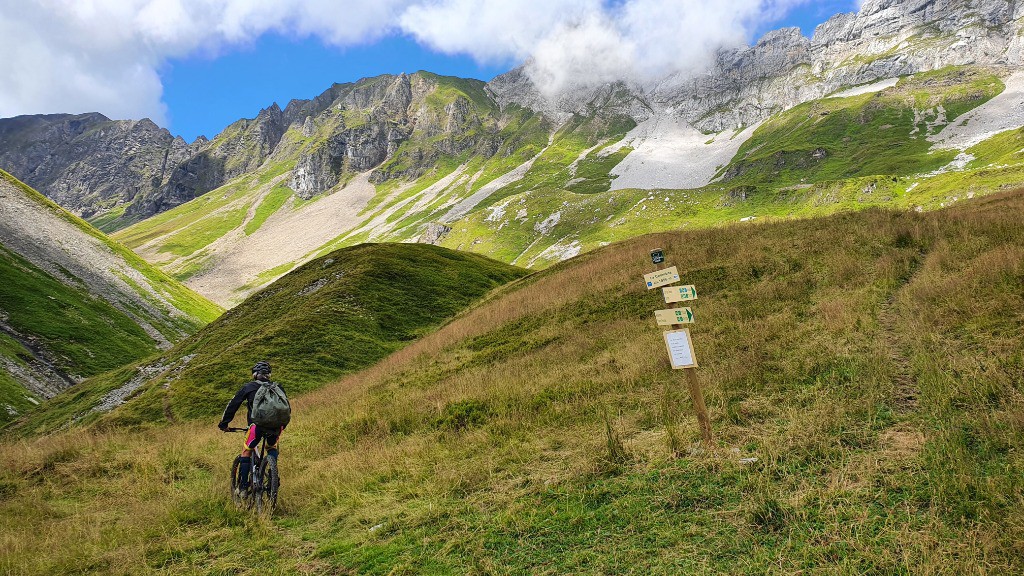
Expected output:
(482, 448)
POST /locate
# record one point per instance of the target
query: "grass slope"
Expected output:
(870, 361)
(334, 315)
(86, 335)
(198, 310)
(80, 333)
(872, 134)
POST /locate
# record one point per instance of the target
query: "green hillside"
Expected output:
(86, 334)
(198, 310)
(64, 323)
(883, 133)
(332, 316)
(871, 362)
(819, 158)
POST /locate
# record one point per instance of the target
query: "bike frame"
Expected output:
(255, 481)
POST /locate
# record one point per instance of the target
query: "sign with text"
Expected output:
(657, 256)
(679, 293)
(661, 278)
(680, 349)
(674, 316)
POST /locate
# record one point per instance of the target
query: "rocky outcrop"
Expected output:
(886, 39)
(368, 123)
(87, 162)
(90, 164)
(434, 233)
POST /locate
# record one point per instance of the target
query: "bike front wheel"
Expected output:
(241, 498)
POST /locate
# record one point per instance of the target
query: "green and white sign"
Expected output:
(674, 316)
(679, 293)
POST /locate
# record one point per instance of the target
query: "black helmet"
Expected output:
(261, 367)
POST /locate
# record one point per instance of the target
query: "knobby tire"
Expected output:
(270, 482)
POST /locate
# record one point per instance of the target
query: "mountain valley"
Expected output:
(448, 276)
(861, 114)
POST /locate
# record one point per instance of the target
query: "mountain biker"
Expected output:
(260, 373)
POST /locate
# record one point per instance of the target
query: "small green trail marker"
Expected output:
(679, 293)
(674, 316)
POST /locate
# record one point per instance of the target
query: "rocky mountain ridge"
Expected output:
(886, 39)
(130, 170)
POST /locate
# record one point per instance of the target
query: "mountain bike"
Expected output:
(264, 481)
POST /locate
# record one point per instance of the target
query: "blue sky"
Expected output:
(204, 94)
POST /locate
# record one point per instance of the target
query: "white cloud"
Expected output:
(104, 55)
(581, 42)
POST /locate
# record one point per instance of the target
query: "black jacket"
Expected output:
(246, 394)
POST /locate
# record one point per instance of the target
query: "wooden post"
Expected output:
(698, 404)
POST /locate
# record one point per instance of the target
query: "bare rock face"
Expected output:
(392, 125)
(241, 148)
(886, 39)
(88, 162)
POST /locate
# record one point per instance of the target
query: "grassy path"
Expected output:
(905, 387)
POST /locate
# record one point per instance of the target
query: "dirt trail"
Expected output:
(906, 390)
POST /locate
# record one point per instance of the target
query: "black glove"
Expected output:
(223, 426)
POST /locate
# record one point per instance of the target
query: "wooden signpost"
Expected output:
(678, 340)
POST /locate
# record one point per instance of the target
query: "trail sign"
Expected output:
(674, 316)
(679, 293)
(657, 256)
(680, 349)
(661, 278)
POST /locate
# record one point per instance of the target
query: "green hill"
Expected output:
(334, 315)
(74, 304)
(870, 362)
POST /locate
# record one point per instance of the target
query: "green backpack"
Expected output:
(270, 407)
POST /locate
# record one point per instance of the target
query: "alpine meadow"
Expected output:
(459, 284)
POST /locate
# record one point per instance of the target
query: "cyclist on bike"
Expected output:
(260, 373)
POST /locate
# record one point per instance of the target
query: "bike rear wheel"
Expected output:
(269, 483)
